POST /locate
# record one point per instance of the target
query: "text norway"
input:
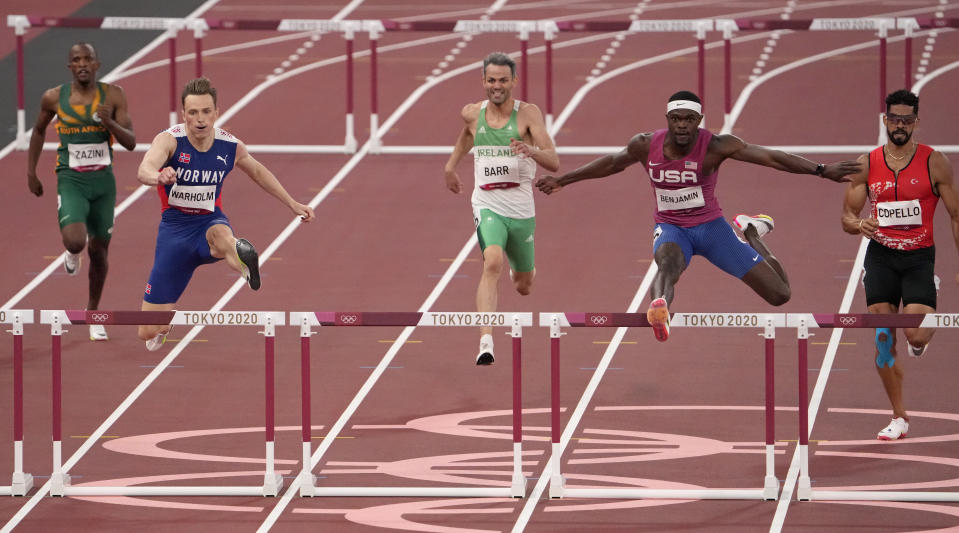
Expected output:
(899, 212)
(199, 176)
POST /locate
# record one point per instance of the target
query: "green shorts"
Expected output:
(89, 198)
(513, 235)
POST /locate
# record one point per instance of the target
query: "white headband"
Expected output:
(685, 104)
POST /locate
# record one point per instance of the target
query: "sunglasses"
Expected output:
(905, 120)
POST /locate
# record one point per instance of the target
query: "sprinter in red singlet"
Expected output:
(904, 181)
(682, 162)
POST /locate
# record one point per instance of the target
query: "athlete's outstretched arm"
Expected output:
(268, 182)
(151, 171)
(855, 199)
(734, 147)
(636, 150)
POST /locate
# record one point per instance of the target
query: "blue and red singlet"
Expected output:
(190, 207)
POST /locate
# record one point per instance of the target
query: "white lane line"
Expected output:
(583, 403)
(174, 353)
(118, 71)
(366, 388)
(792, 475)
(933, 75)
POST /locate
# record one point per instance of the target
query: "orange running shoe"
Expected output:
(658, 317)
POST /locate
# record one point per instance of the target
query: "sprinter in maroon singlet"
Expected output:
(682, 162)
(904, 181)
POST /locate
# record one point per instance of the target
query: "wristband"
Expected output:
(820, 168)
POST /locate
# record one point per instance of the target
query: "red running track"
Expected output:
(388, 231)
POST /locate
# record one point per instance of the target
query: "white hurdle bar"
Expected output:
(768, 322)
(803, 322)
(515, 321)
(60, 479)
(20, 483)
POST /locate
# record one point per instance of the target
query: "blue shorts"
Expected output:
(181, 247)
(715, 240)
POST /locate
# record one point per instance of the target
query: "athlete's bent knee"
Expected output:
(146, 333)
(524, 287)
(780, 297)
(884, 357)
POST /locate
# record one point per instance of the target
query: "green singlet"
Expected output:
(86, 187)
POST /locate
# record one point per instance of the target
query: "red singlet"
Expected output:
(905, 203)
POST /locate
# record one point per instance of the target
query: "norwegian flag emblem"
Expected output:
(690, 165)
(148, 289)
(184, 158)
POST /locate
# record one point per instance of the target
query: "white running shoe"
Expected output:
(485, 356)
(155, 343)
(98, 333)
(763, 223)
(917, 352)
(896, 429)
(71, 263)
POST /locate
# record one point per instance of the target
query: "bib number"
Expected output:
(193, 198)
(678, 199)
(89, 157)
(902, 213)
(496, 172)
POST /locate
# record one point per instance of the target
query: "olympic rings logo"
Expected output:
(598, 320)
(349, 319)
(847, 320)
(99, 317)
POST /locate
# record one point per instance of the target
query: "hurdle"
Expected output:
(768, 322)
(522, 29)
(57, 319)
(515, 321)
(803, 323)
(21, 483)
(200, 27)
(348, 29)
(20, 24)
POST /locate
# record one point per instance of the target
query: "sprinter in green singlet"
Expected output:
(90, 115)
(509, 139)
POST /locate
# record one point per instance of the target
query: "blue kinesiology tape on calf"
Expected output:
(884, 356)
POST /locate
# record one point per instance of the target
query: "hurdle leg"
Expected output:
(349, 144)
(771, 483)
(803, 486)
(376, 143)
(58, 478)
(307, 479)
(272, 481)
(518, 484)
(22, 141)
(21, 483)
(556, 482)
